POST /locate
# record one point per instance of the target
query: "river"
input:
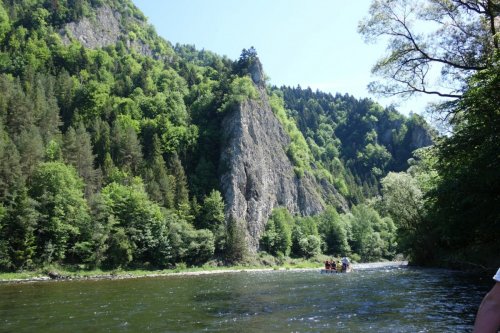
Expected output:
(372, 299)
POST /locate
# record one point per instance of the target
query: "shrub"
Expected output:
(310, 246)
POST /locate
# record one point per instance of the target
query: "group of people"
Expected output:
(339, 266)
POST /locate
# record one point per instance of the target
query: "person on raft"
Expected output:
(345, 264)
(330, 265)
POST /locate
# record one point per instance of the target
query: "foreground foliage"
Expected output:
(446, 206)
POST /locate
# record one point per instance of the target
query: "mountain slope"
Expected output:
(358, 141)
(159, 150)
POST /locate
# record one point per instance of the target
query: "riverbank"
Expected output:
(117, 275)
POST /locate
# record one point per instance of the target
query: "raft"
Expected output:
(329, 271)
(334, 271)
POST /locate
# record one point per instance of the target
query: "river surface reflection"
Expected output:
(377, 300)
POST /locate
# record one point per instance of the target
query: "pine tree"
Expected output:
(237, 248)
(125, 147)
(31, 150)
(10, 166)
(18, 230)
(78, 152)
(159, 183)
(64, 92)
(20, 115)
(181, 199)
(211, 217)
(45, 104)
(101, 140)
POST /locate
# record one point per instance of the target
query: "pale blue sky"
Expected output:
(312, 43)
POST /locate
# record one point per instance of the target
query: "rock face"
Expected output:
(258, 174)
(420, 137)
(103, 30)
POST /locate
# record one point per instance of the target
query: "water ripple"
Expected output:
(370, 299)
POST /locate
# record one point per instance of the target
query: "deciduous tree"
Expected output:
(63, 212)
(454, 37)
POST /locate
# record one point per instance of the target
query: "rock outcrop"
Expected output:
(105, 29)
(258, 175)
(420, 137)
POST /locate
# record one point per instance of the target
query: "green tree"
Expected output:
(310, 246)
(45, 106)
(125, 147)
(246, 60)
(99, 240)
(302, 228)
(372, 236)
(236, 244)
(465, 200)
(461, 41)
(403, 199)
(456, 193)
(77, 150)
(159, 184)
(5, 262)
(16, 210)
(31, 150)
(90, 98)
(241, 89)
(334, 232)
(53, 151)
(374, 156)
(120, 250)
(17, 228)
(189, 245)
(4, 22)
(63, 214)
(101, 140)
(64, 90)
(20, 113)
(181, 199)
(10, 166)
(141, 220)
(277, 237)
(211, 217)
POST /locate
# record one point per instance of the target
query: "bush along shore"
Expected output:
(60, 273)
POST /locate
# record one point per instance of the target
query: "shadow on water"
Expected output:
(379, 300)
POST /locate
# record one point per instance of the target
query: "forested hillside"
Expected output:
(111, 142)
(358, 141)
(96, 143)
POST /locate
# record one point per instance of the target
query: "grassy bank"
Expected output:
(262, 262)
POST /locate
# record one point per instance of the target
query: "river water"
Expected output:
(376, 300)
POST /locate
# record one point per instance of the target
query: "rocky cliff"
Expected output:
(103, 30)
(258, 173)
(420, 137)
(106, 28)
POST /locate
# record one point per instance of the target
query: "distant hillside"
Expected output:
(358, 141)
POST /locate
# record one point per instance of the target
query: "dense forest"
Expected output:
(357, 141)
(110, 155)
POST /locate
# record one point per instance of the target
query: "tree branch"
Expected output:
(460, 45)
(428, 57)
(477, 8)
